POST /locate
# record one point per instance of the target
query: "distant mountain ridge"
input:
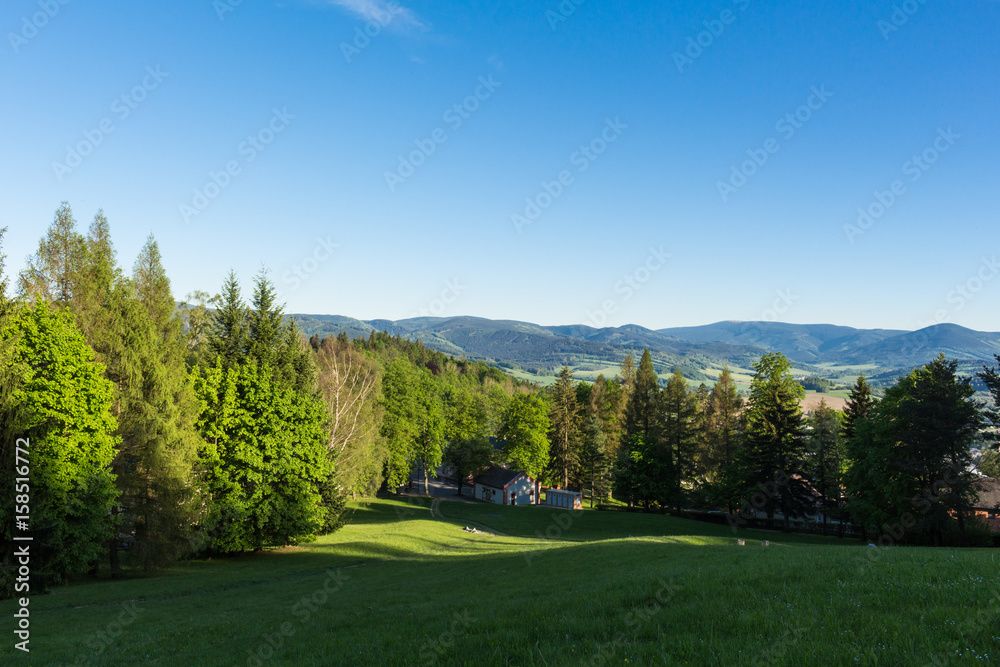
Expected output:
(694, 349)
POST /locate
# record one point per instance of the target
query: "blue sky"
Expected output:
(664, 164)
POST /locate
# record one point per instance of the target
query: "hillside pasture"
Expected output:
(406, 584)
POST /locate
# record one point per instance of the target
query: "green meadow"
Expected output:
(405, 584)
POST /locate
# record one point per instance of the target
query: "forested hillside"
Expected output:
(155, 432)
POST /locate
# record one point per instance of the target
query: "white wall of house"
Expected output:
(524, 490)
(489, 494)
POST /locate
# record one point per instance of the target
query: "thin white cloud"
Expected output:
(382, 12)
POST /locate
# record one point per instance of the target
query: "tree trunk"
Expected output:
(116, 569)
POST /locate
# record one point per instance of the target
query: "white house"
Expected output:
(507, 487)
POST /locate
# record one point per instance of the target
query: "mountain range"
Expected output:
(698, 351)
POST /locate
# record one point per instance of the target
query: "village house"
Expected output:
(506, 487)
(987, 507)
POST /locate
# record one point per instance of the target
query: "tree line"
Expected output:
(899, 468)
(160, 431)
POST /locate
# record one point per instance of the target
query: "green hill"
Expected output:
(404, 585)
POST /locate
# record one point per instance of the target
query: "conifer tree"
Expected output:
(824, 446)
(565, 432)
(723, 433)
(228, 336)
(264, 325)
(643, 469)
(681, 417)
(53, 273)
(859, 405)
(772, 460)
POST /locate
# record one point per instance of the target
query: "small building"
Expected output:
(507, 487)
(987, 507)
(571, 500)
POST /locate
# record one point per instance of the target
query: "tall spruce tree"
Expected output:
(824, 447)
(642, 471)
(859, 405)
(681, 417)
(264, 325)
(773, 459)
(228, 337)
(565, 431)
(723, 435)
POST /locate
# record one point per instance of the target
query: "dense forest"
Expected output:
(157, 431)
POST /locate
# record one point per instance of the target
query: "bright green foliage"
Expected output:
(399, 425)
(564, 436)
(467, 416)
(523, 430)
(67, 417)
(825, 457)
(265, 459)
(910, 458)
(467, 458)
(772, 460)
(428, 444)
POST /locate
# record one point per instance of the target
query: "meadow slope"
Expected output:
(405, 584)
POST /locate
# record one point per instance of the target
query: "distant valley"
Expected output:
(824, 350)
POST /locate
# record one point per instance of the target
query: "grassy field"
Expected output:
(405, 584)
